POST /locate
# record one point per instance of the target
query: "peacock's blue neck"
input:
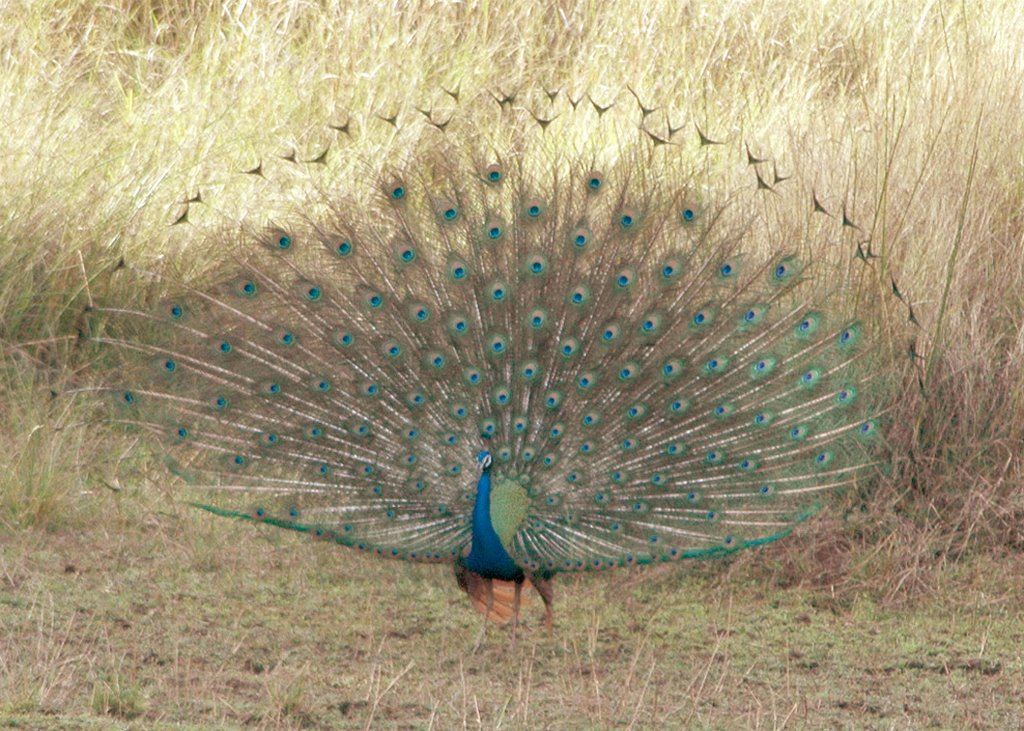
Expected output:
(488, 556)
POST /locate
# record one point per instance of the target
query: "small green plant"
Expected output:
(115, 695)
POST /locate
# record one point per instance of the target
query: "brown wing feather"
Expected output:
(503, 606)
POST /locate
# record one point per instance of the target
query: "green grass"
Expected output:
(898, 607)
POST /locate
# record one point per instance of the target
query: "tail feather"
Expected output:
(665, 365)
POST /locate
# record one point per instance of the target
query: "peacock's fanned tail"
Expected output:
(658, 368)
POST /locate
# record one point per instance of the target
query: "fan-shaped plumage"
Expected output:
(557, 350)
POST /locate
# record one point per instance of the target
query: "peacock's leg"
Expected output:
(487, 614)
(546, 589)
(515, 610)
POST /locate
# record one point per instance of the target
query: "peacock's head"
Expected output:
(485, 460)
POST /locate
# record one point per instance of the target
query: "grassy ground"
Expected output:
(119, 607)
(190, 622)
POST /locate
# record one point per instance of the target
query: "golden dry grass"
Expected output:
(909, 113)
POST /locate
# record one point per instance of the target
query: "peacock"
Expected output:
(557, 346)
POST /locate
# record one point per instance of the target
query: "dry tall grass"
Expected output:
(113, 112)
